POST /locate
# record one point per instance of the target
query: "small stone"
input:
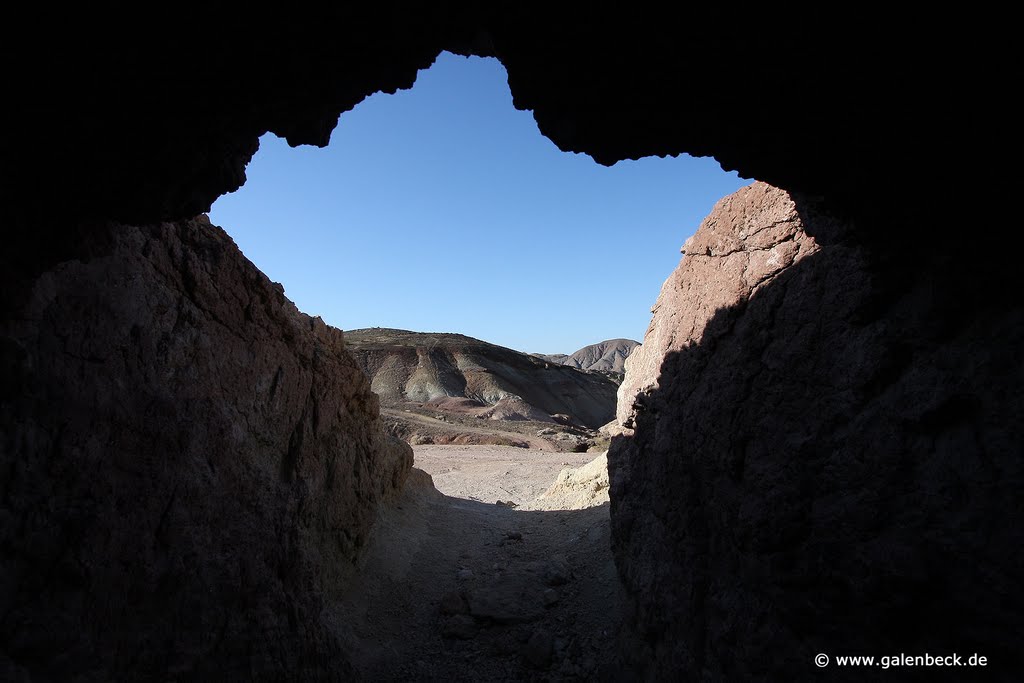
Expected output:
(460, 626)
(550, 597)
(557, 571)
(539, 648)
(453, 603)
(464, 574)
(513, 536)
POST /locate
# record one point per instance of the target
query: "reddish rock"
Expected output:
(749, 238)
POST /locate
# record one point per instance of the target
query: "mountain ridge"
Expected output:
(456, 372)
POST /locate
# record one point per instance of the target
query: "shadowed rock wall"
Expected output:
(190, 470)
(826, 459)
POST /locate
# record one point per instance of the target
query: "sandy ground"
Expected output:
(456, 588)
(491, 473)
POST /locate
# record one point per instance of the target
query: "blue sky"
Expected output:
(443, 209)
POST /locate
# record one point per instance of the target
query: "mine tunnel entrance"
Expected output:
(437, 218)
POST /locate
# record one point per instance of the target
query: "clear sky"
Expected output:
(443, 209)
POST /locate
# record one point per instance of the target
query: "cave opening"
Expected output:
(443, 209)
(436, 218)
(190, 468)
(471, 262)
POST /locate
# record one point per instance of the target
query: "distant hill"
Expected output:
(606, 356)
(457, 373)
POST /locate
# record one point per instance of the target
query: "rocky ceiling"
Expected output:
(153, 116)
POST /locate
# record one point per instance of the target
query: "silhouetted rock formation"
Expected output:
(615, 87)
(191, 468)
(422, 367)
(824, 460)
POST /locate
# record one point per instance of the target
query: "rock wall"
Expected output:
(749, 238)
(189, 469)
(826, 457)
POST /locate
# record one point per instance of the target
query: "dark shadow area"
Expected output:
(188, 463)
(191, 472)
(455, 589)
(835, 468)
(162, 134)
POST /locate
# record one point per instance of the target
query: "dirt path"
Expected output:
(535, 442)
(458, 589)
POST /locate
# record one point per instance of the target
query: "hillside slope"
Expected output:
(606, 356)
(458, 372)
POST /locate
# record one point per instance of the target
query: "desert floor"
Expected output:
(454, 586)
(491, 473)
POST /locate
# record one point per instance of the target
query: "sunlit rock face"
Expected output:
(749, 238)
(814, 439)
(191, 469)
